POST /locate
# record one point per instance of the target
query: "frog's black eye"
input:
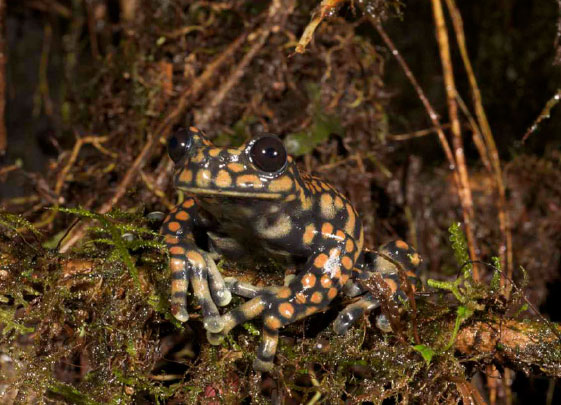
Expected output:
(268, 154)
(179, 144)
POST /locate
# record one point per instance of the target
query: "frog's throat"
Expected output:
(231, 193)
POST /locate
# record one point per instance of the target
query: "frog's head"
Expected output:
(260, 168)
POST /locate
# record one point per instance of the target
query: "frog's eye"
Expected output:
(268, 154)
(179, 144)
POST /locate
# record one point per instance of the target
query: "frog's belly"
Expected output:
(248, 248)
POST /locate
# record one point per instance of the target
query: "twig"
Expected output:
(416, 134)
(326, 8)
(3, 134)
(505, 250)
(464, 190)
(544, 114)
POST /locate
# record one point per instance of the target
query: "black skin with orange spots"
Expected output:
(250, 203)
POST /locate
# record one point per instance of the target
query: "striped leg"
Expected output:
(352, 312)
(396, 251)
(190, 264)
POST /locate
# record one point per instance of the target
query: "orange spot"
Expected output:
(305, 201)
(223, 179)
(332, 293)
(336, 272)
(300, 298)
(326, 206)
(344, 278)
(174, 226)
(286, 310)
(340, 234)
(236, 167)
(177, 250)
(351, 220)
(172, 240)
(194, 129)
(272, 322)
(188, 203)
(317, 297)
(327, 229)
(349, 246)
(401, 245)
(320, 260)
(309, 233)
(415, 259)
(311, 310)
(347, 262)
(199, 157)
(392, 284)
(325, 281)
(283, 292)
(283, 183)
(176, 264)
(309, 280)
(339, 203)
(178, 285)
(214, 152)
(186, 176)
(249, 180)
(182, 215)
(196, 258)
(203, 178)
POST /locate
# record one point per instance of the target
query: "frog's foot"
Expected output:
(348, 316)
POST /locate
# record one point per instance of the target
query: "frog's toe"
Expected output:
(222, 297)
(262, 365)
(214, 338)
(180, 313)
(213, 324)
(344, 321)
(383, 323)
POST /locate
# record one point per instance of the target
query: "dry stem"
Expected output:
(505, 250)
(3, 134)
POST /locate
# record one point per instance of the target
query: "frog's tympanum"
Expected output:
(253, 203)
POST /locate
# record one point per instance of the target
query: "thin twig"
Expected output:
(416, 134)
(544, 114)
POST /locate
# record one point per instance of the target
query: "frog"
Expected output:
(252, 203)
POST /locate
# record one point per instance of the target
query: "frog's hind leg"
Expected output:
(382, 262)
(352, 312)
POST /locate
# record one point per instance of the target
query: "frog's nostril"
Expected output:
(179, 144)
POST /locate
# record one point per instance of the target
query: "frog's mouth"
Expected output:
(230, 193)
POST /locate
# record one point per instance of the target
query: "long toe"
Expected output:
(213, 324)
(214, 338)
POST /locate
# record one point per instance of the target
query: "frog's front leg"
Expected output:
(309, 292)
(190, 264)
